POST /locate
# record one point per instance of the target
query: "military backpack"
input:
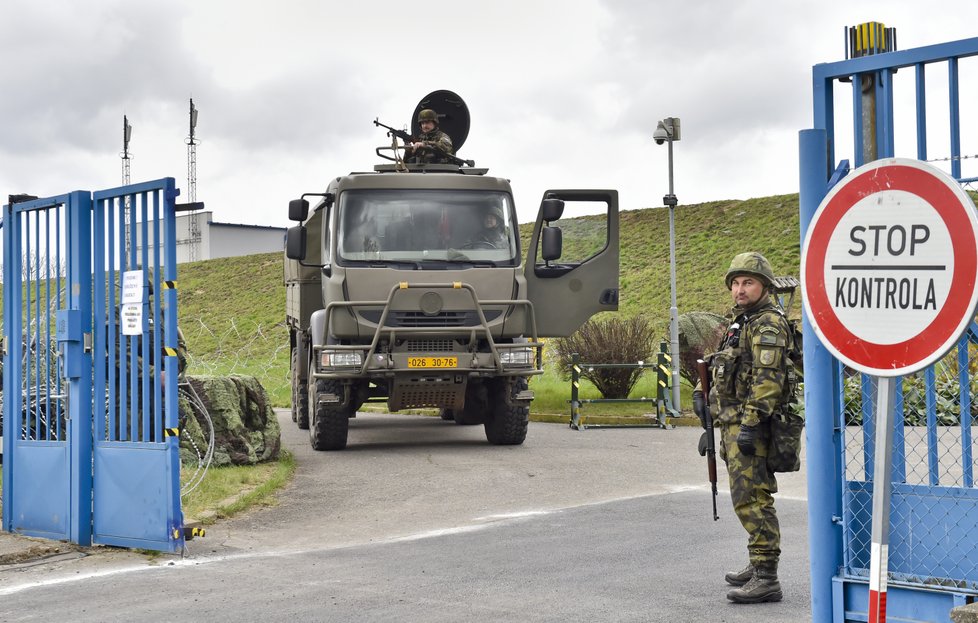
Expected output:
(788, 421)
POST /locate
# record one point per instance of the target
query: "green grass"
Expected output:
(226, 491)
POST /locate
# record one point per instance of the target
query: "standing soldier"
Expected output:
(749, 380)
(432, 142)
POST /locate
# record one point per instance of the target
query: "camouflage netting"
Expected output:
(699, 333)
(246, 430)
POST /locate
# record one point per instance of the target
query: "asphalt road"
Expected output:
(422, 520)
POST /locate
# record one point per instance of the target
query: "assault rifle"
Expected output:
(711, 448)
(408, 139)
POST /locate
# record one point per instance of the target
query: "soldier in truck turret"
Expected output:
(431, 143)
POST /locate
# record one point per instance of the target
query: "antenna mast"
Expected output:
(126, 135)
(192, 183)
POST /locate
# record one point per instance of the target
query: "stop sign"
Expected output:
(890, 266)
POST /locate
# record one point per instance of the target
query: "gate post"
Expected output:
(822, 419)
(77, 369)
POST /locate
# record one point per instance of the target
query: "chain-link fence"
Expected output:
(933, 497)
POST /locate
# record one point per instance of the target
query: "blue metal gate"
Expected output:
(90, 433)
(933, 550)
(45, 299)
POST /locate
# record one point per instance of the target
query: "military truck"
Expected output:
(395, 295)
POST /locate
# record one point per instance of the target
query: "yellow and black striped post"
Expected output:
(575, 388)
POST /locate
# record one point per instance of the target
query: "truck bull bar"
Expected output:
(483, 328)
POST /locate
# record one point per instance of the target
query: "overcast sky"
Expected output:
(562, 94)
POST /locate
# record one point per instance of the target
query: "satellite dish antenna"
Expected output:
(453, 116)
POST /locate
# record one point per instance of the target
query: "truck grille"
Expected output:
(419, 319)
(430, 346)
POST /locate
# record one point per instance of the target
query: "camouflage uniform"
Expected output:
(434, 143)
(434, 139)
(749, 375)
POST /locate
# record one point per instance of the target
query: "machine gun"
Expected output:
(408, 139)
(711, 450)
(394, 132)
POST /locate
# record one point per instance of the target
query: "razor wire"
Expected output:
(244, 347)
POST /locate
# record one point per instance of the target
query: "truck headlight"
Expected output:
(516, 356)
(341, 358)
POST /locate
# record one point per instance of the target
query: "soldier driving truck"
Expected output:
(390, 299)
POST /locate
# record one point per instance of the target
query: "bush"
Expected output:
(699, 333)
(614, 340)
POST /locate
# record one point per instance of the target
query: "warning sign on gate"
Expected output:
(890, 266)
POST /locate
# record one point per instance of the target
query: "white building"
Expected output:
(223, 239)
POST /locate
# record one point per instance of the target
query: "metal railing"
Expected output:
(664, 408)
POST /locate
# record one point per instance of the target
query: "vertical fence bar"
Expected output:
(955, 115)
(147, 348)
(921, 92)
(899, 437)
(159, 330)
(99, 361)
(964, 390)
(857, 120)
(868, 387)
(884, 115)
(10, 304)
(930, 404)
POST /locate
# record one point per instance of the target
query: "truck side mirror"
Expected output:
(295, 241)
(551, 209)
(298, 210)
(552, 242)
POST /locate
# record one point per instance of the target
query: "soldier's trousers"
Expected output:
(751, 489)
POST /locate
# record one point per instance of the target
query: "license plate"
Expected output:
(432, 362)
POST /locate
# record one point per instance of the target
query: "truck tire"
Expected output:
(300, 391)
(330, 425)
(447, 414)
(506, 425)
(302, 415)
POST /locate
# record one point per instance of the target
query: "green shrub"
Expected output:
(616, 339)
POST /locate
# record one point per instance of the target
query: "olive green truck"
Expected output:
(400, 288)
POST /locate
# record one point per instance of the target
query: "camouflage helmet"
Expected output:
(750, 263)
(428, 115)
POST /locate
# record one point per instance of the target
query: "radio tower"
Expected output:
(192, 184)
(126, 135)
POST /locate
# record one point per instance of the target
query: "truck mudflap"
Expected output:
(370, 360)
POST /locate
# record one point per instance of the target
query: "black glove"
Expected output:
(699, 406)
(703, 444)
(745, 439)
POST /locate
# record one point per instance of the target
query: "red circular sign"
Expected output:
(890, 267)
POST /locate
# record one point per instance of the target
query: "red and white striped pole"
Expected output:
(882, 470)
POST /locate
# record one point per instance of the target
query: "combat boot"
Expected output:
(763, 586)
(739, 578)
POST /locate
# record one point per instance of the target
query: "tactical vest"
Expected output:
(733, 366)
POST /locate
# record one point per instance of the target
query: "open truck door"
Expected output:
(572, 263)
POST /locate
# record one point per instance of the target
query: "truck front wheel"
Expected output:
(330, 425)
(507, 421)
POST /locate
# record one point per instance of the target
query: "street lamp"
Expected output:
(668, 132)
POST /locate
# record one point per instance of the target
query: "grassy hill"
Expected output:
(232, 309)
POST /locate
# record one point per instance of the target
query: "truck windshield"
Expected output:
(420, 225)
